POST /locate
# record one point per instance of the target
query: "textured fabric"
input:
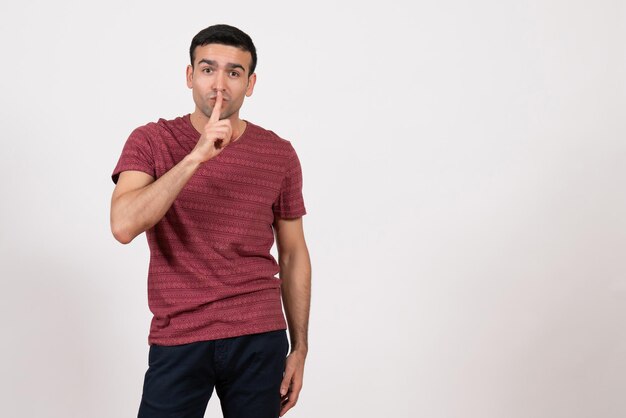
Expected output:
(211, 273)
(245, 371)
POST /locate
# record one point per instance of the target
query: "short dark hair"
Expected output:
(224, 35)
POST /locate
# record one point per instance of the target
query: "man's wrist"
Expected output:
(192, 161)
(300, 349)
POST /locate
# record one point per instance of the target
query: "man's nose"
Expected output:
(220, 81)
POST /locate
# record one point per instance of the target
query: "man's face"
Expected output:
(220, 67)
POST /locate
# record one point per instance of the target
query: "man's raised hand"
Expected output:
(217, 133)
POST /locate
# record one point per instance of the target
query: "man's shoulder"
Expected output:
(268, 137)
(162, 125)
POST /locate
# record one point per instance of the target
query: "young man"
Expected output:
(210, 190)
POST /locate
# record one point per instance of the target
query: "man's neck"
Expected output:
(199, 121)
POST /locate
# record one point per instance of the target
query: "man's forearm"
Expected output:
(295, 272)
(138, 210)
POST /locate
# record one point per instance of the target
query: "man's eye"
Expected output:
(207, 70)
(234, 74)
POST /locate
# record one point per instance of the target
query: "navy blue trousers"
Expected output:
(245, 371)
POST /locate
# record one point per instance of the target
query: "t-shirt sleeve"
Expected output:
(290, 203)
(136, 155)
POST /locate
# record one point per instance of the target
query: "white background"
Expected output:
(464, 167)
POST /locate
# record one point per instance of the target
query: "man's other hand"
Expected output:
(292, 381)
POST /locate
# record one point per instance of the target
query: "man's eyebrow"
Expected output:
(230, 65)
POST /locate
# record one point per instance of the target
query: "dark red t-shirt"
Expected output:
(211, 273)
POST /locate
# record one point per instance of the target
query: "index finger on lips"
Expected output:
(217, 109)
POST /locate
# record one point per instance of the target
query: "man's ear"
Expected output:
(189, 76)
(251, 82)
